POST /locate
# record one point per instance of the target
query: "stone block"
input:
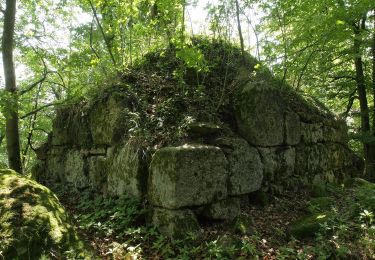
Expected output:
(260, 115)
(75, 169)
(292, 129)
(226, 209)
(188, 175)
(312, 133)
(98, 171)
(126, 174)
(70, 127)
(55, 168)
(107, 121)
(244, 164)
(278, 162)
(336, 131)
(319, 158)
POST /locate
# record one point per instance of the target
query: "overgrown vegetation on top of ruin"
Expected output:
(169, 90)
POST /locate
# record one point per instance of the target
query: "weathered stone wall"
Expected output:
(86, 149)
(300, 142)
(280, 142)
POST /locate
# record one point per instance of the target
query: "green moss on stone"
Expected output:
(308, 226)
(33, 222)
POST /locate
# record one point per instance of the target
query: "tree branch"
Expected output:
(40, 81)
(91, 39)
(349, 106)
(39, 109)
(341, 77)
(33, 85)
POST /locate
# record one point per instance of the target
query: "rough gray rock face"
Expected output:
(226, 209)
(279, 162)
(259, 115)
(244, 165)
(70, 127)
(293, 129)
(113, 112)
(126, 173)
(75, 169)
(297, 138)
(119, 171)
(188, 175)
(312, 133)
(97, 168)
(319, 158)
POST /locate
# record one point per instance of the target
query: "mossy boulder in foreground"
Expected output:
(33, 223)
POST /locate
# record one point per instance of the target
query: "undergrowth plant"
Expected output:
(348, 231)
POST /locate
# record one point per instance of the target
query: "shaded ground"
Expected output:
(263, 236)
(343, 229)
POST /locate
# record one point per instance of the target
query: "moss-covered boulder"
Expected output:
(308, 226)
(33, 223)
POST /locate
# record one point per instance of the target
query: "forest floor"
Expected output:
(116, 230)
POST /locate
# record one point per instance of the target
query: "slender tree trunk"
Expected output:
(31, 128)
(370, 171)
(373, 76)
(362, 95)
(183, 21)
(1, 139)
(105, 37)
(281, 18)
(239, 28)
(11, 125)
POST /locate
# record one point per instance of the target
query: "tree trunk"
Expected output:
(370, 169)
(239, 28)
(362, 95)
(11, 125)
(373, 76)
(107, 41)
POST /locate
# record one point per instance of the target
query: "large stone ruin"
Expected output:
(280, 141)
